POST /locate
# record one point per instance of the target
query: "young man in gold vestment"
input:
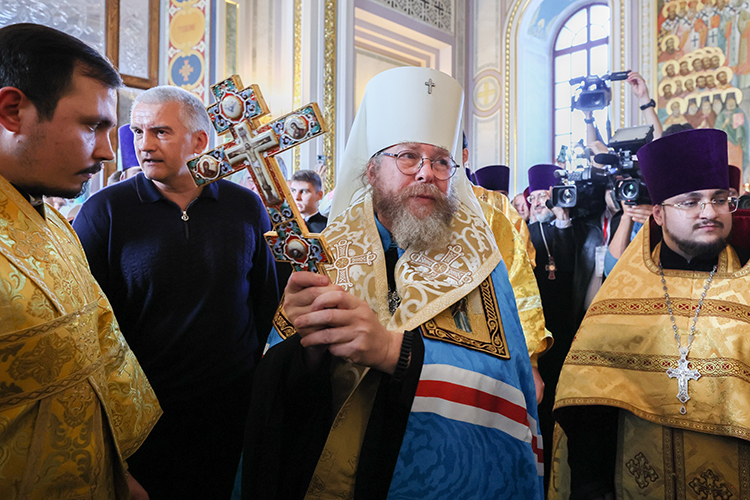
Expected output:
(74, 402)
(655, 391)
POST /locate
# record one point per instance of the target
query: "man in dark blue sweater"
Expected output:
(193, 286)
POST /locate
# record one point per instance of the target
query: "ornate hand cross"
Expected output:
(253, 146)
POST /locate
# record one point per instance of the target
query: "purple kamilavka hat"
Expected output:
(493, 177)
(542, 176)
(735, 177)
(469, 175)
(683, 162)
(127, 149)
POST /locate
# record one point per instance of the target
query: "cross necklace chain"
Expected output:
(550, 267)
(682, 373)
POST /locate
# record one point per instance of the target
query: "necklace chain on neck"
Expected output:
(550, 267)
(682, 373)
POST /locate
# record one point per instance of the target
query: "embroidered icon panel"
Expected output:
(473, 322)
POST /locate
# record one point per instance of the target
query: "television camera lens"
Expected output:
(628, 190)
(564, 196)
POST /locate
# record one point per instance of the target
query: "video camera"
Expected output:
(592, 92)
(582, 191)
(627, 179)
(583, 188)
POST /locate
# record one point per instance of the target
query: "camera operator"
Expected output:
(629, 222)
(571, 245)
(627, 218)
(645, 102)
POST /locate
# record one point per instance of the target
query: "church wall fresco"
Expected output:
(703, 69)
(188, 46)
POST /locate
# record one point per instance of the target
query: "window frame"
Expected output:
(588, 45)
(112, 37)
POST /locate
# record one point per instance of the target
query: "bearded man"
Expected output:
(554, 242)
(415, 354)
(653, 395)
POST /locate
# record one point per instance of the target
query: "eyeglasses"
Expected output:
(541, 197)
(694, 208)
(410, 162)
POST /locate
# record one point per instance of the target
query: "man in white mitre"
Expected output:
(406, 373)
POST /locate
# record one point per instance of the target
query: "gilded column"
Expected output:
(329, 90)
(297, 72)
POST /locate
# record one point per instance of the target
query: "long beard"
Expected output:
(428, 228)
(545, 216)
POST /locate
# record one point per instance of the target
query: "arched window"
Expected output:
(581, 49)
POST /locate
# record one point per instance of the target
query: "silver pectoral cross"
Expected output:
(683, 374)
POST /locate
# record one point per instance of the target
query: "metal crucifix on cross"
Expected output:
(253, 146)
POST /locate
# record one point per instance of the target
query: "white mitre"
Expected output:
(406, 104)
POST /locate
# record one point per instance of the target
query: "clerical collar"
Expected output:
(36, 201)
(672, 260)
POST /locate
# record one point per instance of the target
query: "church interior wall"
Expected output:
(703, 70)
(483, 87)
(497, 49)
(531, 86)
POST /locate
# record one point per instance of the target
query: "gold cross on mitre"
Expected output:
(430, 84)
(253, 146)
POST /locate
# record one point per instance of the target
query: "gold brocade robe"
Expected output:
(74, 402)
(428, 284)
(501, 202)
(513, 248)
(620, 356)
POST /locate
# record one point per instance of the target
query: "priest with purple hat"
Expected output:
(554, 242)
(128, 165)
(494, 178)
(654, 393)
(735, 180)
(490, 185)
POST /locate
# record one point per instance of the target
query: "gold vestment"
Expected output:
(514, 249)
(74, 402)
(501, 202)
(620, 356)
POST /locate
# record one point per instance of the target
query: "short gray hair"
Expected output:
(192, 111)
